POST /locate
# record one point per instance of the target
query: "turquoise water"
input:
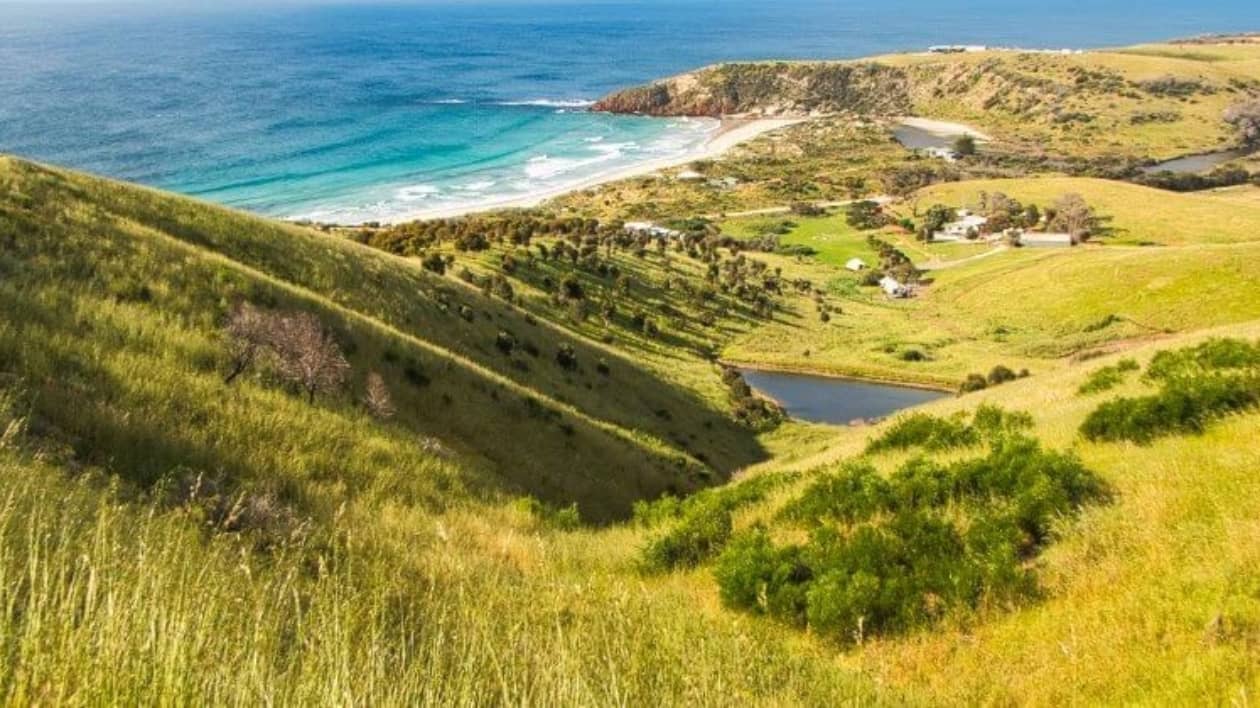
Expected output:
(358, 112)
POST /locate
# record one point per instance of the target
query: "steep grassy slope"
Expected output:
(153, 275)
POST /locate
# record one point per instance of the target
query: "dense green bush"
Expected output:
(933, 433)
(1197, 384)
(1108, 377)
(1001, 374)
(973, 383)
(701, 524)
(700, 534)
(1212, 355)
(1182, 406)
(926, 431)
(890, 554)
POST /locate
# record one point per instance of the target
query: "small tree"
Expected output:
(935, 220)
(307, 354)
(965, 145)
(1246, 118)
(377, 399)
(248, 333)
(1074, 216)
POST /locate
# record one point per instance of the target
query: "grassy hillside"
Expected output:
(1149, 597)
(1149, 102)
(166, 535)
(1023, 308)
(155, 276)
(1131, 214)
(574, 503)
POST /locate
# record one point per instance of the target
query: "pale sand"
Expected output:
(731, 132)
(943, 128)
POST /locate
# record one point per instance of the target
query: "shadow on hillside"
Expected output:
(97, 235)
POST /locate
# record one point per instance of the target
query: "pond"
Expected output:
(913, 138)
(1196, 163)
(823, 399)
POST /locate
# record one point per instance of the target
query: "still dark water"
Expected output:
(1197, 163)
(819, 399)
(919, 139)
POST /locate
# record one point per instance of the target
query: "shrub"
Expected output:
(566, 518)
(1197, 384)
(973, 382)
(434, 262)
(926, 431)
(1001, 374)
(1183, 406)
(505, 342)
(866, 215)
(1212, 355)
(1107, 378)
(566, 357)
(854, 492)
(698, 536)
(904, 562)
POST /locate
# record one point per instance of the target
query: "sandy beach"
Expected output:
(729, 133)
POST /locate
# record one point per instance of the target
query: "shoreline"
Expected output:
(802, 371)
(729, 133)
(943, 128)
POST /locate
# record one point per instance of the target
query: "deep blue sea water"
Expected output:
(360, 111)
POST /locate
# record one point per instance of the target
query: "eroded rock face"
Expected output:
(770, 89)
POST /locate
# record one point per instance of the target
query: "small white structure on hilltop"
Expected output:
(690, 176)
(650, 229)
(966, 225)
(893, 287)
(855, 264)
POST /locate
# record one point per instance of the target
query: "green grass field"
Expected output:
(1131, 214)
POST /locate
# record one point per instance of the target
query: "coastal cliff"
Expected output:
(778, 88)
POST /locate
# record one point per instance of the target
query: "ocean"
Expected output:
(356, 112)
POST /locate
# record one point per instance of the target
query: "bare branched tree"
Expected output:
(307, 354)
(377, 400)
(1074, 216)
(248, 333)
(1246, 118)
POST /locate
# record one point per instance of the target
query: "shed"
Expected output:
(892, 287)
(855, 264)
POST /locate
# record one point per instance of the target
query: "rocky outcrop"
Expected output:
(866, 88)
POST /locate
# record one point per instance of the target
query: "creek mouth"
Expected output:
(837, 401)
